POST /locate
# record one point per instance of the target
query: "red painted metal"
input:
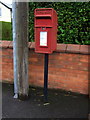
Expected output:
(45, 30)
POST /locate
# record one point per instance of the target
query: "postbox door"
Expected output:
(43, 37)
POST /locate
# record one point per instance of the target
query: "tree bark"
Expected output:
(20, 48)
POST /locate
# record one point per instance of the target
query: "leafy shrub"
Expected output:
(6, 30)
(73, 21)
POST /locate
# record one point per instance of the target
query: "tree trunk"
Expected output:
(20, 48)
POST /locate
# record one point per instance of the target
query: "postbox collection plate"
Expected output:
(43, 38)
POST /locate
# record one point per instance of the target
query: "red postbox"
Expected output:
(45, 30)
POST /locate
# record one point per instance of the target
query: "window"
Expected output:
(0, 12)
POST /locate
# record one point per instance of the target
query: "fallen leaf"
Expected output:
(66, 95)
(33, 89)
(56, 93)
(42, 95)
(46, 103)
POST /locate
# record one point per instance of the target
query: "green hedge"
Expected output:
(73, 21)
(6, 30)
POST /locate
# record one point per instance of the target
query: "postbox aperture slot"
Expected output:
(42, 17)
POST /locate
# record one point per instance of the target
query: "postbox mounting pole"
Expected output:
(46, 76)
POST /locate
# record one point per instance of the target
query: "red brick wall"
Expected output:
(68, 67)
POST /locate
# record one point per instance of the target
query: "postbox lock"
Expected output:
(43, 28)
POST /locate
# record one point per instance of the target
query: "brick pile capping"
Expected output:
(65, 48)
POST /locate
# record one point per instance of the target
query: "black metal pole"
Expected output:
(45, 77)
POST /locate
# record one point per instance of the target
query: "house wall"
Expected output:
(5, 14)
(68, 67)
